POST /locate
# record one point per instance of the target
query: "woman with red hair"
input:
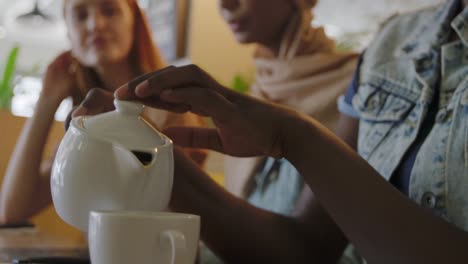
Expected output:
(111, 44)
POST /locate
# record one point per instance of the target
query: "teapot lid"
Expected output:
(124, 126)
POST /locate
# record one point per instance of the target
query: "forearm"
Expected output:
(235, 230)
(385, 226)
(20, 189)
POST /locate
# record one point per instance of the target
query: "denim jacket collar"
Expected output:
(436, 30)
(460, 25)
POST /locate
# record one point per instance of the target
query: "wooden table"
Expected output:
(20, 243)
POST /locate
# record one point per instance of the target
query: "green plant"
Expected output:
(6, 82)
(240, 83)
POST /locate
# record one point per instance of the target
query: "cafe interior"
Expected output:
(34, 32)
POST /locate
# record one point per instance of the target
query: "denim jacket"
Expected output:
(409, 62)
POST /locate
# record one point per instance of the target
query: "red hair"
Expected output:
(144, 56)
(144, 50)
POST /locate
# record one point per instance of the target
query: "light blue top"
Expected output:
(277, 186)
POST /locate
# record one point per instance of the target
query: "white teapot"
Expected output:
(111, 161)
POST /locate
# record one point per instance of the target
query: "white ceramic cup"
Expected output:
(123, 237)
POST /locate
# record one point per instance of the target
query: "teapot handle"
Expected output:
(178, 246)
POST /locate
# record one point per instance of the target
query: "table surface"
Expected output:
(28, 242)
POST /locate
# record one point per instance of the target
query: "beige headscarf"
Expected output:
(307, 75)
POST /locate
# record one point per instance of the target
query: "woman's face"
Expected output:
(100, 31)
(259, 21)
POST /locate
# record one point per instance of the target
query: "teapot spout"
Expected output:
(139, 158)
(144, 157)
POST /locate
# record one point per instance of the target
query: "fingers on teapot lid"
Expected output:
(135, 82)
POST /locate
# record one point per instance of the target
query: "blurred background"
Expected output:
(186, 31)
(32, 33)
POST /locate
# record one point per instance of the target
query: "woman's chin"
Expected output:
(244, 37)
(103, 60)
(99, 58)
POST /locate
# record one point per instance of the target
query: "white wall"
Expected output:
(360, 15)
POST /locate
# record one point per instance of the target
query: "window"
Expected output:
(27, 92)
